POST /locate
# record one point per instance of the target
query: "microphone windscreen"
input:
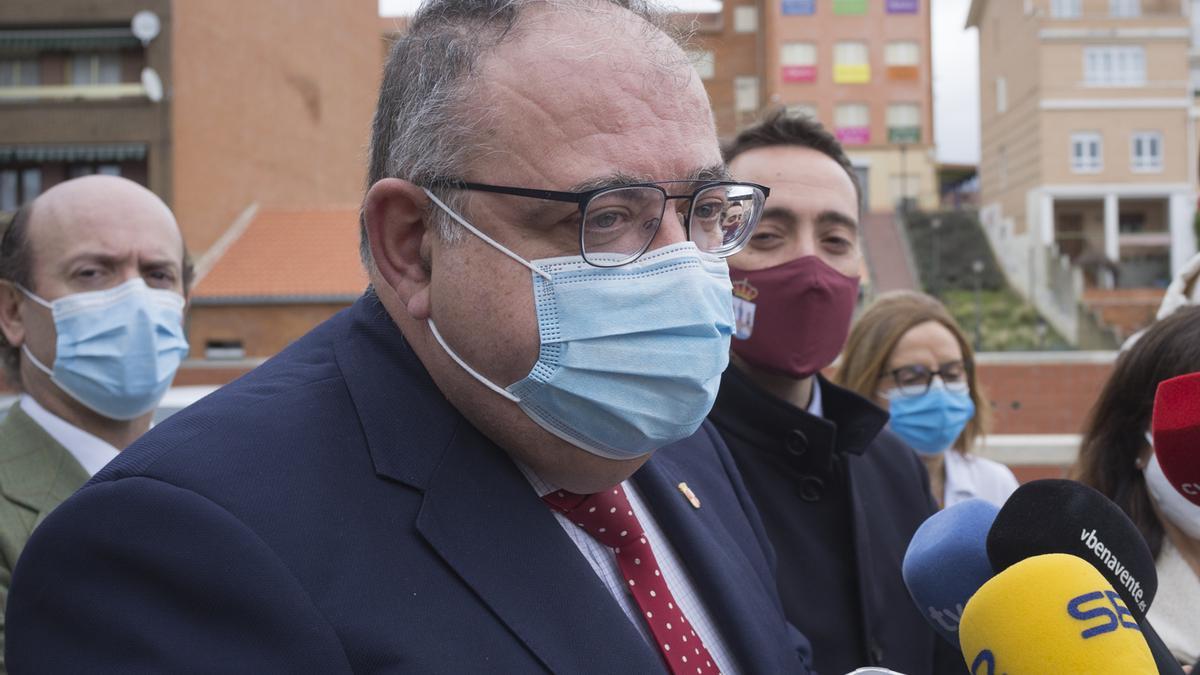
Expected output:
(1052, 614)
(947, 561)
(1062, 516)
(1176, 431)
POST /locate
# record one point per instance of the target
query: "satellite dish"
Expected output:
(152, 84)
(145, 26)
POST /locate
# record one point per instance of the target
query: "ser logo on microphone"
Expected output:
(1190, 488)
(1114, 618)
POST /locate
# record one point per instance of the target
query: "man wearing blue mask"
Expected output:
(840, 496)
(93, 280)
(496, 460)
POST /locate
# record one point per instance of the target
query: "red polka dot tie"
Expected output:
(609, 519)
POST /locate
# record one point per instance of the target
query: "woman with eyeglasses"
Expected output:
(909, 355)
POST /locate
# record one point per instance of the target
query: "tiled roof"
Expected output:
(282, 255)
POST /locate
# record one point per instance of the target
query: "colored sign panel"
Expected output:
(849, 6)
(799, 7)
(852, 74)
(853, 135)
(903, 6)
(799, 73)
(904, 134)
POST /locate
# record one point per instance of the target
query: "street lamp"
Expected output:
(977, 268)
(935, 224)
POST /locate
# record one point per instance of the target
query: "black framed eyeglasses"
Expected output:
(915, 380)
(617, 224)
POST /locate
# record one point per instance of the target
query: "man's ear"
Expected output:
(394, 215)
(11, 323)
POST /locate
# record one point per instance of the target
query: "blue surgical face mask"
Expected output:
(631, 356)
(932, 421)
(117, 349)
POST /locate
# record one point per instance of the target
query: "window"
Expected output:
(1086, 153)
(1114, 66)
(808, 110)
(903, 6)
(1001, 95)
(849, 6)
(92, 69)
(19, 73)
(745, 19)
(745, 94)
(80, 170)
(799, 7)
(902, 54)
(904, 123)
(851, 64)
(799, 61)
(1124, 8)
(1065, 9)
(852, 123)
(704, 62)
(1146, 151)
(19, 186)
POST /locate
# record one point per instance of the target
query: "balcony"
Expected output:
(72, 92)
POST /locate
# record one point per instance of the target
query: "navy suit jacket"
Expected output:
(331, 512)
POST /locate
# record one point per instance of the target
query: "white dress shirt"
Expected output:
(604, 562)
(90, 451)
(970, 476)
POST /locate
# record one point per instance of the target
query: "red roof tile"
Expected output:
(290, 254)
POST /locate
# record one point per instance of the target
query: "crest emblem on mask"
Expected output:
(743, 308)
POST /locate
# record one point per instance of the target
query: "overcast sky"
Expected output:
(955, 73)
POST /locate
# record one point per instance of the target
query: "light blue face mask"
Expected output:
(117, 349)
(932, 421)
(631, 356)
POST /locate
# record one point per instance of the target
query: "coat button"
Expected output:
(797, 443)
(811, 488)
(876, 655)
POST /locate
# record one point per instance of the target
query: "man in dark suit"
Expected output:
(840, 495)
(439, 478)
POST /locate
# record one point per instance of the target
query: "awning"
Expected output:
(107, 152)
(67, 39)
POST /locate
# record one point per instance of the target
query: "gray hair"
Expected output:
(424, 124)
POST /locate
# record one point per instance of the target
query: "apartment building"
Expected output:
(1089, 163)
(214, 105)
(863, 68)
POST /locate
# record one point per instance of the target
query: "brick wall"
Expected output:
(263, 330)
(272, 103)
(1034, 397)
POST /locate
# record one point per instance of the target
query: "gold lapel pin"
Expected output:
(689, 495)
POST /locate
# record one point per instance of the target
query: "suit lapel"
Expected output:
(478, 512)
(486, 522)
(717, 572)
(36, 472)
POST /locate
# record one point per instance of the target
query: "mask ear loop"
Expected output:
(470, 371)
(474, 230)
(25, 348)
(34, 297)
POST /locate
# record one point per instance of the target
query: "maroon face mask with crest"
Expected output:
(792, 319)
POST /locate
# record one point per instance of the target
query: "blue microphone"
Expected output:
(947, 562)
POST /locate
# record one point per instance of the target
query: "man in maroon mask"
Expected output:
(840, 495)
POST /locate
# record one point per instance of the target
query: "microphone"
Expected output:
(1062, 516)
(1051, 613)
(947, 561)
(1176, 432)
